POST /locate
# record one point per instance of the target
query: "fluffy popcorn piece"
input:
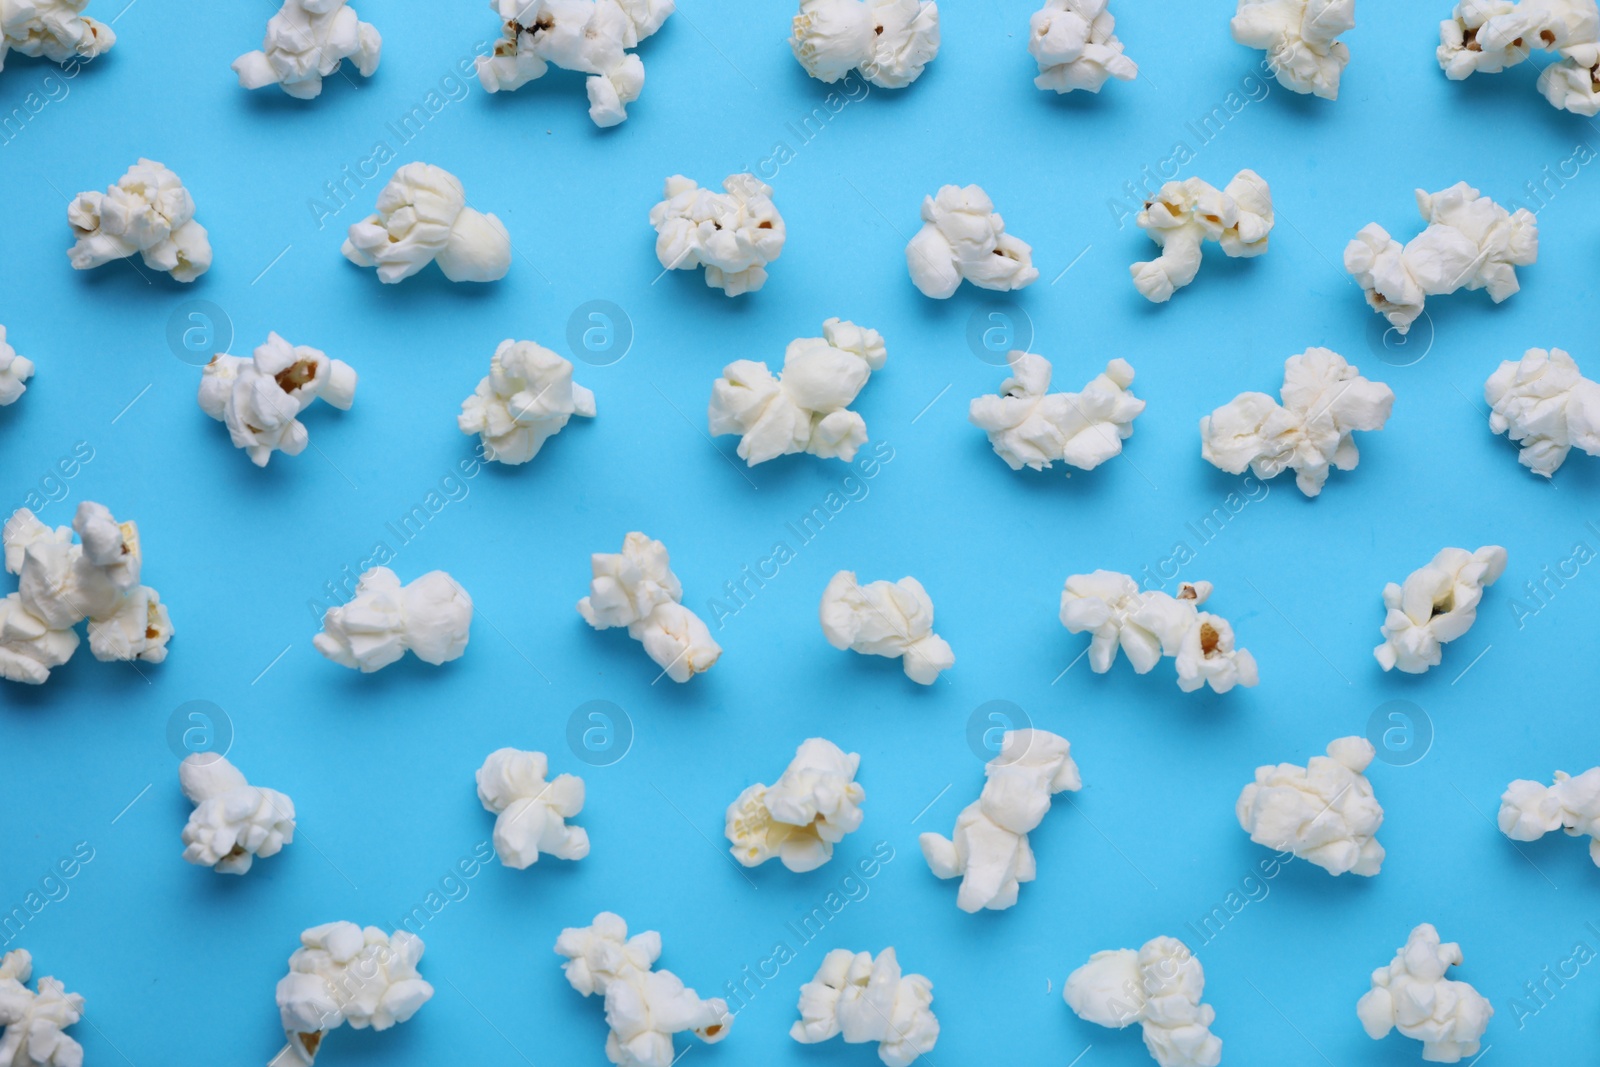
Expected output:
(591, 37)
(637, 589)
(1074, 42)
(528, 398)
(55, 29)
(805, 407)
(1148, 625)
(531, 812)
(14, 370)
(1545, 405)
(1325, 401)
(423, 217)
(1185, 215)
(891, 619)
(1029, 426)
(1436, 604)
(813, 805)
(734, 234)
(963, 237)
(431, 618)
(644, 1007)
(34, 1021)
(260, 399)
(1490, 35)
(1158, 986)
(1470, 243)
(1529, 810)
(989, 851)
(307, 40)
(1413, 995)
(889, 41)
(148, 213)
(233, 821)
(1323, 812)
(864, 1000)
(1300, 38)
(343, 975)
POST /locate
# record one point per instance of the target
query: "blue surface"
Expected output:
(174, 959)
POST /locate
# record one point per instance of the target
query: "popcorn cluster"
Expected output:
(734, 234)
(813, 805)
(307, 41)
(14, 370)
(1148, 625)
(1413, 995)
(591, 37)
(889, 41)
(60, 584)
(1300, 38)
(1545, 405)
(1488, 37)
(1323, 812)
(1158, 986)
(891, 619)
(233, 821)
(1470, 243)
(260, 399)
(530, 812)
(637, 589)
(644, 1007)
(342, 975)
(1029, 426)
(1325, 401)
(864, 1000)
(1436, 604)
(528, 398)
(805, 407)
(1185, 215)
(1076, 46)
(431, 618)
(989, 850)
(148, 213)
(34, 1020)
(1529, 810)
(962, 237)
(423, 218)
(55, 29)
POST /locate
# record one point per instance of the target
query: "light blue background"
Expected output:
(175, 960)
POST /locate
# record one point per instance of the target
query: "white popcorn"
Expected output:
(1470, 243)
(14, 370)
(805, 407)
(260, 399)
(1074, 42)
(1545, 405)
(1413, 995)
(813, 805)
(149, 213)
(1325, 401)
(528, 398)
(343, 975)
(60, 584)
(864, 1000)
(891, 619)
(989, 851)
(1490, 35)
(34, 1021)
(1323, 812)
(1185, 215)
(1529, 810)
(307, 40)
(423, 217)
(889, 41)
(531, 812)
(233, 821)
(431, 617)
(733, 234)
(588, 36)
(963, 237)
(1300, 38)
(1148, 625)
(55, 29)
(637, 589)
(644, 1007)
(1029, 426)
(1158, 986)
(1437, 603)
